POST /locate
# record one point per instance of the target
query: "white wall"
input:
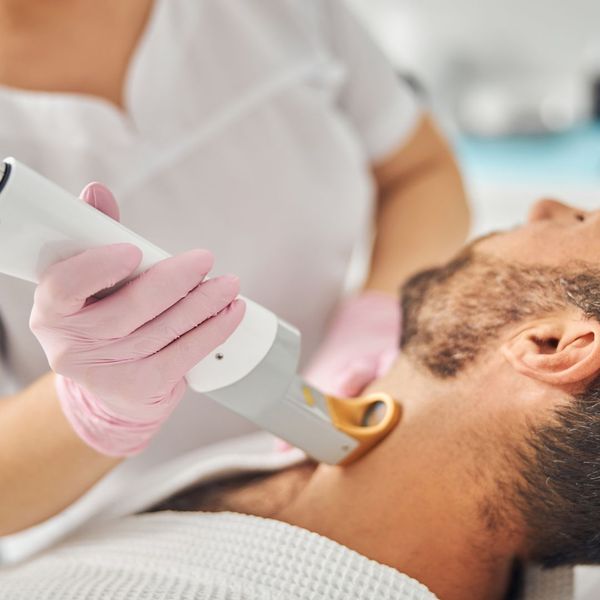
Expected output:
(427, 35)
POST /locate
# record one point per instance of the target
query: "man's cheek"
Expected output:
(537, 247)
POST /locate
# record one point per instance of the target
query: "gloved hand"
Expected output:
(121, 360)
(361, 345)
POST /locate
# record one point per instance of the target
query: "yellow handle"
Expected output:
(353, 417)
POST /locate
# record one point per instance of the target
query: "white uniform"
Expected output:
(249, 129)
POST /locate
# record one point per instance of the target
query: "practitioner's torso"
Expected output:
(229, 138)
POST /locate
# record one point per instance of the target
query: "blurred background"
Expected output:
(515, 84)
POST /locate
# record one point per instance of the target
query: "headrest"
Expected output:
(548, 584)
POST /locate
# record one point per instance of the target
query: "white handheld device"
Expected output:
(253, 373)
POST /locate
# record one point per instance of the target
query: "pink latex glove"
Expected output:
(122, 360)
(361, 345)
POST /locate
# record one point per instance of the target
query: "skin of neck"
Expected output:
(415, 501)
(71, 46)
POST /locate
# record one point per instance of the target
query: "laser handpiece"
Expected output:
(253, 373)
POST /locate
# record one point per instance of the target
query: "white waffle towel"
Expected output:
(204, 556)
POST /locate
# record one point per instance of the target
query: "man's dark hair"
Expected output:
(450, 314)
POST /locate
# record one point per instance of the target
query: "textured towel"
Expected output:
(202, 556)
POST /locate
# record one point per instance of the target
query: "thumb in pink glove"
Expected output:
(122, 360)
(361, 345)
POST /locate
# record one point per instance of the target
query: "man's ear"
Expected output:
(559, 350)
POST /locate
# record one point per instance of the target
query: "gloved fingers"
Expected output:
(65, 286)
(205, 301)
(281, 445)
(385, 362)
(100, 197)
(146, 296)
(355, 377)
(179, 357)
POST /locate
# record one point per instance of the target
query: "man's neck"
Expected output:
(410, 504)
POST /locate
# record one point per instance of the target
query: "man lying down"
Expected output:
(495, 461)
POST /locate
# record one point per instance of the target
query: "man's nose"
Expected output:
(549, 209)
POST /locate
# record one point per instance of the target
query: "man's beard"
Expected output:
(452, 313)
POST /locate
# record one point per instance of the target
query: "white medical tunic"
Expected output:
(249, 129)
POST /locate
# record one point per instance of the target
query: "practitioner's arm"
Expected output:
(44, 465)
(423, 214)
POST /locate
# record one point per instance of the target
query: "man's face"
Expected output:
(453, 312)
(459, 316)
(555, 234)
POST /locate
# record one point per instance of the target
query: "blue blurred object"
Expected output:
(566, 158)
